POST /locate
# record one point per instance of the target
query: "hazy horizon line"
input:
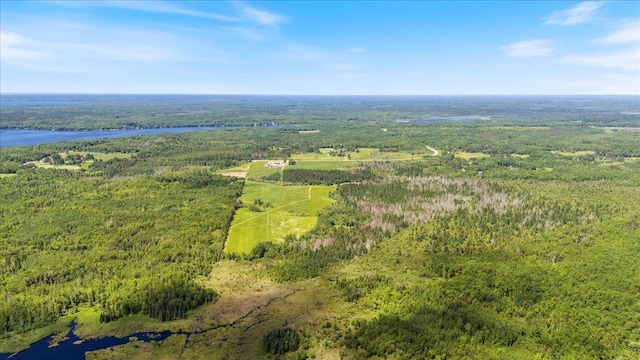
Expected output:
(305, 95)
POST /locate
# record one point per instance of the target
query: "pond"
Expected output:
(74, 348)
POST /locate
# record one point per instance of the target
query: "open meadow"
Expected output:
(272, 211)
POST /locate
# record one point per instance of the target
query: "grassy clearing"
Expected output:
(238, 171)
(293, 210)
(308, 131)
(60, 167)
(325, 165)
(258, 169)
(303, 306)
(97, 155)
(613, 129)
(245, 287)
(361, 154)
(521, 156)
(620, 163)
(368, 154)
(469, 156)
(316, 156)
(574, 154)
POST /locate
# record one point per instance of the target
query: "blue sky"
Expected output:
(322, 47)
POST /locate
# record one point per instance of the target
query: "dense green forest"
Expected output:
(78, 112)
(518, 239)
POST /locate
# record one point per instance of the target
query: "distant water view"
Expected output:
(25, 117)
(17, 137)
(73, 347)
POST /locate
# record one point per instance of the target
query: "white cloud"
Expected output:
(326, 59)
(626, 59)
(579, 14)
(248, 12)
(148, 6)
(245, 33)
(12, 46)
(64, 49)
(261, 17)
(353, 75)
(359, 50)
(528, 48)
(628, 32)
(9, 38)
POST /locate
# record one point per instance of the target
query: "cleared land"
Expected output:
(468, 156)
(258, 169)
(86, 159)
(271, 211)
(97, 155)
(324, 165)
(360, 154)
(613, 129)
(574, 154)
(291, 210)
(238, 171)
(370, 154)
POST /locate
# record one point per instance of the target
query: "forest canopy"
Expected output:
(513, 236)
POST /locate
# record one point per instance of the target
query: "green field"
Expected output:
(469, 155)
(371, 154)
(325, 165)
(361, 154)
(293, 210)
(290, 209)
(322, 155)
(575, 153)
(97, 155)
(614, 129)
(258, 170)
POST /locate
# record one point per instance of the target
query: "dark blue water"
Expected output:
(69, 351)
(12, 137)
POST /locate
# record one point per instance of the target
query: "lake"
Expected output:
(74, 347)
(19, 137)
